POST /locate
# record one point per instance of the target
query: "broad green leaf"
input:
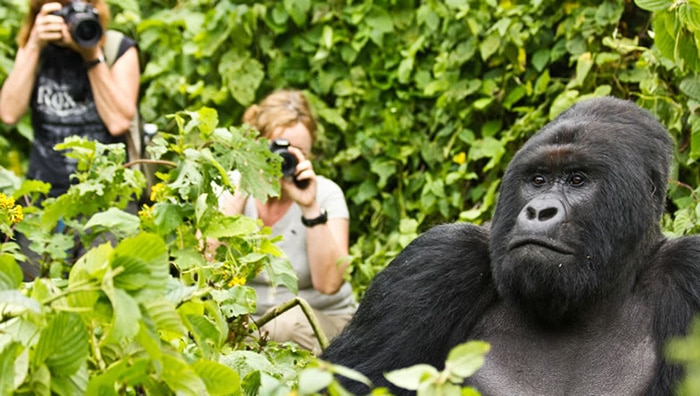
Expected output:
(143, 260)
(125, 317)
(10, 273)
(8, 355)
(232, 226)
(378, 18)
(236, 301)
(654, 5)
(165, 316)
(691, 86)
(129, 372)
(280, 272)
(116, 221)
(314, 380)
(63, 345)
(297, 9)
(411, 377)
(181, 377)
(14, 303)
(465, 359)
(242, 75)
(219, 379)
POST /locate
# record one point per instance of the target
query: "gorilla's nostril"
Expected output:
(546, 214)
(530, 213)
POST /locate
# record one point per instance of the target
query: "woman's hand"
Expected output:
(304, 172)
(48, 27)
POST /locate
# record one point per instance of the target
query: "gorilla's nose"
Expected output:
(541, 215)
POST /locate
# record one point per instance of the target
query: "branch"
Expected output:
(308, 312)
(150, 161)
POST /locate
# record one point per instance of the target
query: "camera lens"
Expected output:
(289, 162)
(86, 32)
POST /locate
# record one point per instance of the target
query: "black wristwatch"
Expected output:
(90, 64)
(321, 219)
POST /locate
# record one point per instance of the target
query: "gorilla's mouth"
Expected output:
(547, 243)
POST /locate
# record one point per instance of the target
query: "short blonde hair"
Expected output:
(285, 109)
(35, 7)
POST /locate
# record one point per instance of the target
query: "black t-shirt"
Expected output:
(62, 105)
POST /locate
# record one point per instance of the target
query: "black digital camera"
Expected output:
(289, 160)
(83, 23)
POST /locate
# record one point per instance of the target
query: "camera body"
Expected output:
(83, 23)
(289, 161)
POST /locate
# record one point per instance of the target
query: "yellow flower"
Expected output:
(158, 192)
(6, 202)
(146, 212)
(13, 212)
(460, 158)
(236, 281)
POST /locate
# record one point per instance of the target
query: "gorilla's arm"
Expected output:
(675, 279)
(425, 302)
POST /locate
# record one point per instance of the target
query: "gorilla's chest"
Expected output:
(609, 357)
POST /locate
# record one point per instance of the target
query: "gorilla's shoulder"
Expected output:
(454, 236)
(675, 271)
(455, 252)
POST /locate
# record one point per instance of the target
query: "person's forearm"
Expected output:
(326, 245)
(17, 90)
(115, 102)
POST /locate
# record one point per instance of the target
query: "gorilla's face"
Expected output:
(579, 204)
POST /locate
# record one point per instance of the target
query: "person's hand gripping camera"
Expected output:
(75, 26)
(299, 178)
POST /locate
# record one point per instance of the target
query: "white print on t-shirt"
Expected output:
(55, 99)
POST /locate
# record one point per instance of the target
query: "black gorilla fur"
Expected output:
(574, 285)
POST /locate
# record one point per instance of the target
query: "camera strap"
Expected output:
(134, 137)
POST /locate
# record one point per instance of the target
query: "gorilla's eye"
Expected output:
(577, 180)
(538, 180)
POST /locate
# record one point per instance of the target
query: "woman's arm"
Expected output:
(17, 90)
(115, 89)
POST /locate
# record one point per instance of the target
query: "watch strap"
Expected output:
(90, 64)
(321, 219)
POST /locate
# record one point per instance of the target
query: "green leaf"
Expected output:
(219, 379)
(10, 273)
(125, 317)
(280, 272)
(411, 377)
(116, 221)
(13, 303)
(8, 373)
(232, 226)
(236, 301)
(654, 5)
(165, 316)
(313, 380)
(297, 9)
(144, 263)
(181, 377)
(63, 344)
(241, 74)
(465, 359)
(379, 19)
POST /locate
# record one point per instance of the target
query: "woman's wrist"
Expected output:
(89, 64)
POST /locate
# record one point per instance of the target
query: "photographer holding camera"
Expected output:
(312, 217)
(60, 74)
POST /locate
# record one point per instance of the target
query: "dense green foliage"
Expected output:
(422, 104)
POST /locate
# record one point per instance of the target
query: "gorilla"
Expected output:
(573, 284)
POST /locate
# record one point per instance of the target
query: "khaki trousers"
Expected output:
(294, 326)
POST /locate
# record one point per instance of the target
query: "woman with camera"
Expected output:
(312, 217)
(60, 74)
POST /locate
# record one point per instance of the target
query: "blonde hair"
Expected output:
(283, 109)
(35, 7)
